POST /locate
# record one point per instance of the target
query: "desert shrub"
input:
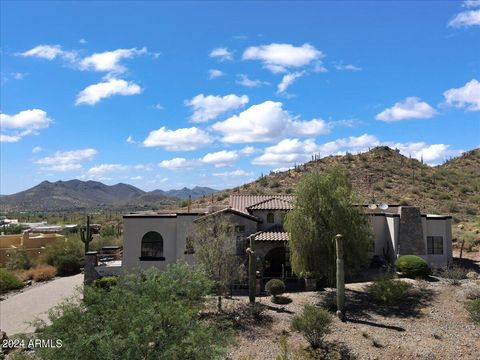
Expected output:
(72, 246)
(256, 310)
(314, 323)
(107, 231)
(99, 242)
(12, 229)
(67, 264)
(473, 308)
(471, 291)
(470, 210)
(39, 273)
(106, 282)
(454, 273)
(161, 309)
(9, 281)
(452, 206)
(288, 351)
(388, 291)
(18, 259)
(470, 241)
(275, 287)
(412, 266)
(274, 184)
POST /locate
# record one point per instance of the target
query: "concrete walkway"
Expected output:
(18, 310)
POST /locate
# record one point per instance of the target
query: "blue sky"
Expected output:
(165, 95)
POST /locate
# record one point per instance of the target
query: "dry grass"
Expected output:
(38, 273)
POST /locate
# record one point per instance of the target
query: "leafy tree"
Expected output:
(213, 239)
(156, 315)
(325, 207)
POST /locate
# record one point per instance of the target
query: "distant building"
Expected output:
(159, 239)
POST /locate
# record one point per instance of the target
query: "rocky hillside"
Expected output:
(385, 175)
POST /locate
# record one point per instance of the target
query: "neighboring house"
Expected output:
(159, 239)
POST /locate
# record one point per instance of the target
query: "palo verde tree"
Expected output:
(325, 207)
(213, 240)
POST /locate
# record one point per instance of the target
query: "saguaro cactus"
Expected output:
(340, 278)
(251, 270)
(86, 234)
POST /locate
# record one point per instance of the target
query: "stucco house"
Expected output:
(159, 239)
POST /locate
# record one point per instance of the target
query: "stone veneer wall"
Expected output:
(410, 232)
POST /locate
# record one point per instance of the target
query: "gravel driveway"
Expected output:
(18, 310)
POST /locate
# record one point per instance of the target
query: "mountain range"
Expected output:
(76, 195)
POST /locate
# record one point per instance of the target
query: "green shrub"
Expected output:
(388, 291)
(473, 308)
(161, 309)
(18, 259)
(71, 246)
(412, 266)
(9, 281)
(106, 282)
(67, 264)
(12, 229)
(314, 323)
(454, 273)
(275, 287)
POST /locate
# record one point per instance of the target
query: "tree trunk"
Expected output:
(219, 303)
(340, 278)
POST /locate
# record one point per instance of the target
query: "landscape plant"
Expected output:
(324, 207)
(156, 315)
(18, 259)
(275, 287)
(388, 291)
(213, 239)
(67, 264)
(106, 282)
(39, 273)
(313, 323)
(9, 281)
(473, 308)
(412, 266)
(71, 246)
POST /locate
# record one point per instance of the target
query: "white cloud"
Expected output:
(215, 73)
(352, 144)
(248, 150)
(288, 80)
(82, 41)
(178, 163)
(139, 177)
(466, 18)
(36, 149)
(222, 54)
(130, 139)
(185, 139)
(347, 67)
(466, 96)
(245, 81)
(106, 169)
(234, 173)
(158, 107)
(49, 52)
(96, 92)
(411, 108)
(279, 57)
(266, 122)
(26, 122)
(18, 76)
(433, 154)
(109, 61)
(220, 158)
(209, 107)
(66, 160)
(287, 151)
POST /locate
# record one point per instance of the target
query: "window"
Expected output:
(270, 218)
(435, 245)
(152, 246)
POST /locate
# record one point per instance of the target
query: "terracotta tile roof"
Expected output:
(232, 211)
(271, 236)
(273, 204)
(243, 202)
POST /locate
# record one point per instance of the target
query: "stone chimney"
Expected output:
(410, 232)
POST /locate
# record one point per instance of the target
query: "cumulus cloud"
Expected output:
(234, 173)
(36, 149)
(106, 169)
(215, 73)
(209, 107)
(433, 154)
(287, 151)
(221, 53)
(220, 158)
(178, 163)
(410, 108)
(245, 81)
(111, 86)
(467, 96)
(279, 57)
(66, 160)
(26, 122)
(347, 67)
(266, 122)
(185, 139)
(288, 80)
(49, 52)
(248, 150)
(130, 139)
(109, 61)
(467, 18)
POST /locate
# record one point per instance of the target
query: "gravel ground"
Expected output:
(437, 327)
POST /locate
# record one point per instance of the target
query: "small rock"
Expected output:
(472, 275)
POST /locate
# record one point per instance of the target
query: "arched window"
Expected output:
(270, 218)
(152, 246)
